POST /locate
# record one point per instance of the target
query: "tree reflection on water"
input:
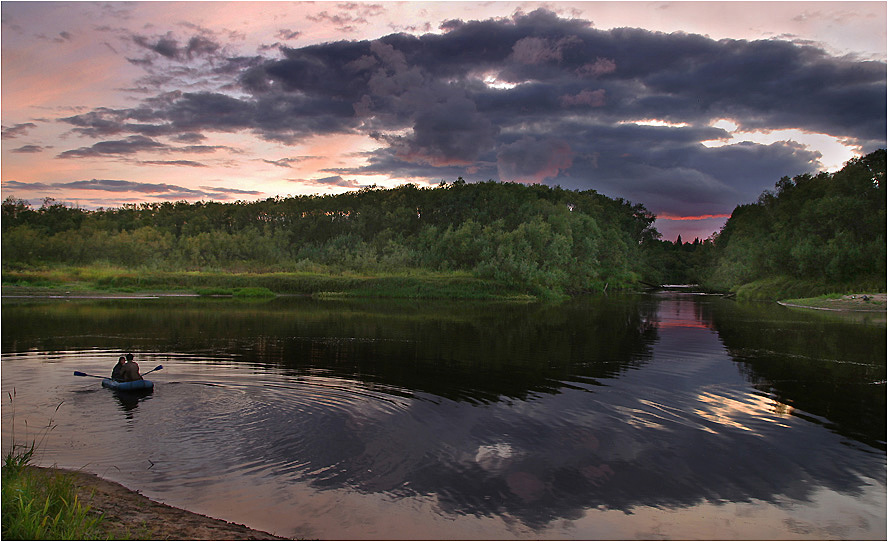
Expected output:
(525, 413)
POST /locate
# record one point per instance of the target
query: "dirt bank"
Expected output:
(128, 514)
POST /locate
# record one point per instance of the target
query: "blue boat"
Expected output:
(135, 385)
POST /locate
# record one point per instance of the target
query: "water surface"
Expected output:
(637, 416)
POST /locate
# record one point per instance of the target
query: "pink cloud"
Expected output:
(601, 66)
(534, 50)
(592, 98)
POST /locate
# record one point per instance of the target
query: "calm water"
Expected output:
(639, 416)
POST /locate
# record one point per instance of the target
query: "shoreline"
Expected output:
(872, 303)
(130, 515)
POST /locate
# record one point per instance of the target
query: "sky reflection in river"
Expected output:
(623, 417)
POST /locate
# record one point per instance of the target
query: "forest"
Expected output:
(813, 234)
(535, 239)
(823, 232)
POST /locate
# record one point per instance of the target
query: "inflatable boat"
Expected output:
(135, 385)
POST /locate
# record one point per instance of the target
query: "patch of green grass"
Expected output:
(408, 283)
(214, 291)
(43, 506)
(253, 292)
(784, 287)
(40, 505)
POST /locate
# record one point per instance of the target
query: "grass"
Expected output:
(785, 287)
(43, 506)
(253, 292)
(39, 505)
(839, 301)
(409, 283)
(249, 292)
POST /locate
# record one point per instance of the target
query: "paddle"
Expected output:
(78, 373)
(159, 367)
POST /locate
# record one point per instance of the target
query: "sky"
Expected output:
(689, 108)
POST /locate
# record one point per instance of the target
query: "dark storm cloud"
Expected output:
(533, 160)
(534, 98)
(671, 173)
(274, 116)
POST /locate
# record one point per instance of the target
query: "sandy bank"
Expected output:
(129, 514)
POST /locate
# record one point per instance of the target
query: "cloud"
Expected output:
(168, 47)
(157, 190)
(591, 98)
(130, 145)
(188, 163)
(18, 185)
(28, 149)
(350, 16)
(532, 160)
(447, 132)
(286, 34)
(600, 66)
(17, 130)
(288, 162)
(335, 180)
(534, 97)
(190, 137)
(231, 191)
(136, 144)
(534, 50)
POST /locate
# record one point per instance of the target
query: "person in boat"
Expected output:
(117, 371)
(131, 370)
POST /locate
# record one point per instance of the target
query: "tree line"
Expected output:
(536, 238)
(827, 228)
(826, 231)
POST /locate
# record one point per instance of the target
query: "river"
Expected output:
(636, 416)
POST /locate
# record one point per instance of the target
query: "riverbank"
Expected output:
(783, 288)
(88, 281)
(130, 515)
(871, 302)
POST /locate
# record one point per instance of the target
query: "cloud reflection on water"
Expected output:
(531, 418)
